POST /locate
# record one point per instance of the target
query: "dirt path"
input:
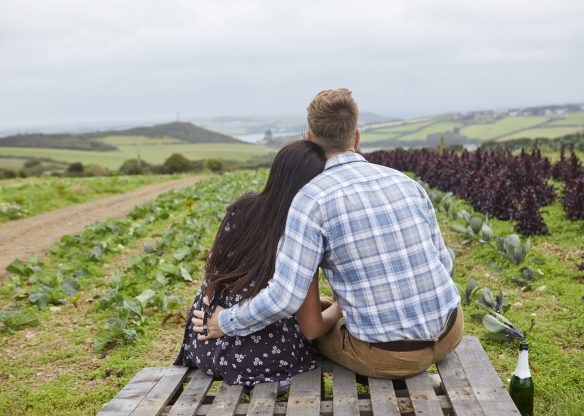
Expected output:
(20, 238)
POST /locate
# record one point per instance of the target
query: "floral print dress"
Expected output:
(274, 353)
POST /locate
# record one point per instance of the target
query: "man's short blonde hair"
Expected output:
(332, 119)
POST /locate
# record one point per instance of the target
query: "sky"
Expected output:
(76, 61)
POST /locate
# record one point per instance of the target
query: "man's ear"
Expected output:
(308, 135)
(357, 139)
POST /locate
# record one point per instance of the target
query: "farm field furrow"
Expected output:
(162, 258)
(501, 127)
(543, 131)
(150, 154)
(393, 132)
(441, 127)
(408, 132)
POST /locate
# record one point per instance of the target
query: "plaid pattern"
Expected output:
(374, 232)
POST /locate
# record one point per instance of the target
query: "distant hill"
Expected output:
(56, 141)
(366, 117)
(186, 132)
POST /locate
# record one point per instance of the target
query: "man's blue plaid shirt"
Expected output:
(374, 232)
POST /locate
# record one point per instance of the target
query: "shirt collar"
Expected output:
(343, 158)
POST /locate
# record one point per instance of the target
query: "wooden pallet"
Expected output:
(466, 384)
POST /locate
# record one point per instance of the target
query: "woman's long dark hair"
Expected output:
(247, 240)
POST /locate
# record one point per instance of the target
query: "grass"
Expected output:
(52, 370)
(36, 195)
(571, 119)
(501, 128)
(150, 154)
(544, 131)
(556, 342)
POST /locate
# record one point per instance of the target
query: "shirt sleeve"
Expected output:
(437, 238)
(299, 253)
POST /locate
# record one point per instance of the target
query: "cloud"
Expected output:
(73, 60)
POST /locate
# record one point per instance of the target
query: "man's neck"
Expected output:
(330, 155)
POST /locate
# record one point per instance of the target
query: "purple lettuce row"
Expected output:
(571, 171)
(528, 217)
(567, 169)
(573, 199)
(497, 184)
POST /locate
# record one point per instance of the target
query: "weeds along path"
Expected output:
(20, 238)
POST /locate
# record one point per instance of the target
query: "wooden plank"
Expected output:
(169, 382)
(485, 382)
(193, 394)
(226, 400)
(304, 397)
(133, 393)
(127, 399)
(383, 399)
(345, 401)
(423, 397)
(461, 395)
(326, 407)
(263, 399)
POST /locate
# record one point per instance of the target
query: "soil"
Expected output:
(21, 238)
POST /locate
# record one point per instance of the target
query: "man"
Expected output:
(374, 232)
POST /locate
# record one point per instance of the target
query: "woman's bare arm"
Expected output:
(314, 323)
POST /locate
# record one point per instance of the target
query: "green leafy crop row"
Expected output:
(147, 281)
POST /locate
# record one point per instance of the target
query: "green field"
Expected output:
(548, 132)
(24, 197)
(501, 128)
(408, 131)
(12, 163)
(392, 131)
(171, 234)
(441, 127)
(149, 153)
(375, 136)
(509, 127)
(574, 119)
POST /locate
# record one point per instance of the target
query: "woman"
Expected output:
(240, 264)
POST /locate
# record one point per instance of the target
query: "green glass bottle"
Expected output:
(521, 386)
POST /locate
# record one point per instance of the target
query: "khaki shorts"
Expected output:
(368, 360)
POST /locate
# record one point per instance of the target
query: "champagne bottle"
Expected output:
(521, 386)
